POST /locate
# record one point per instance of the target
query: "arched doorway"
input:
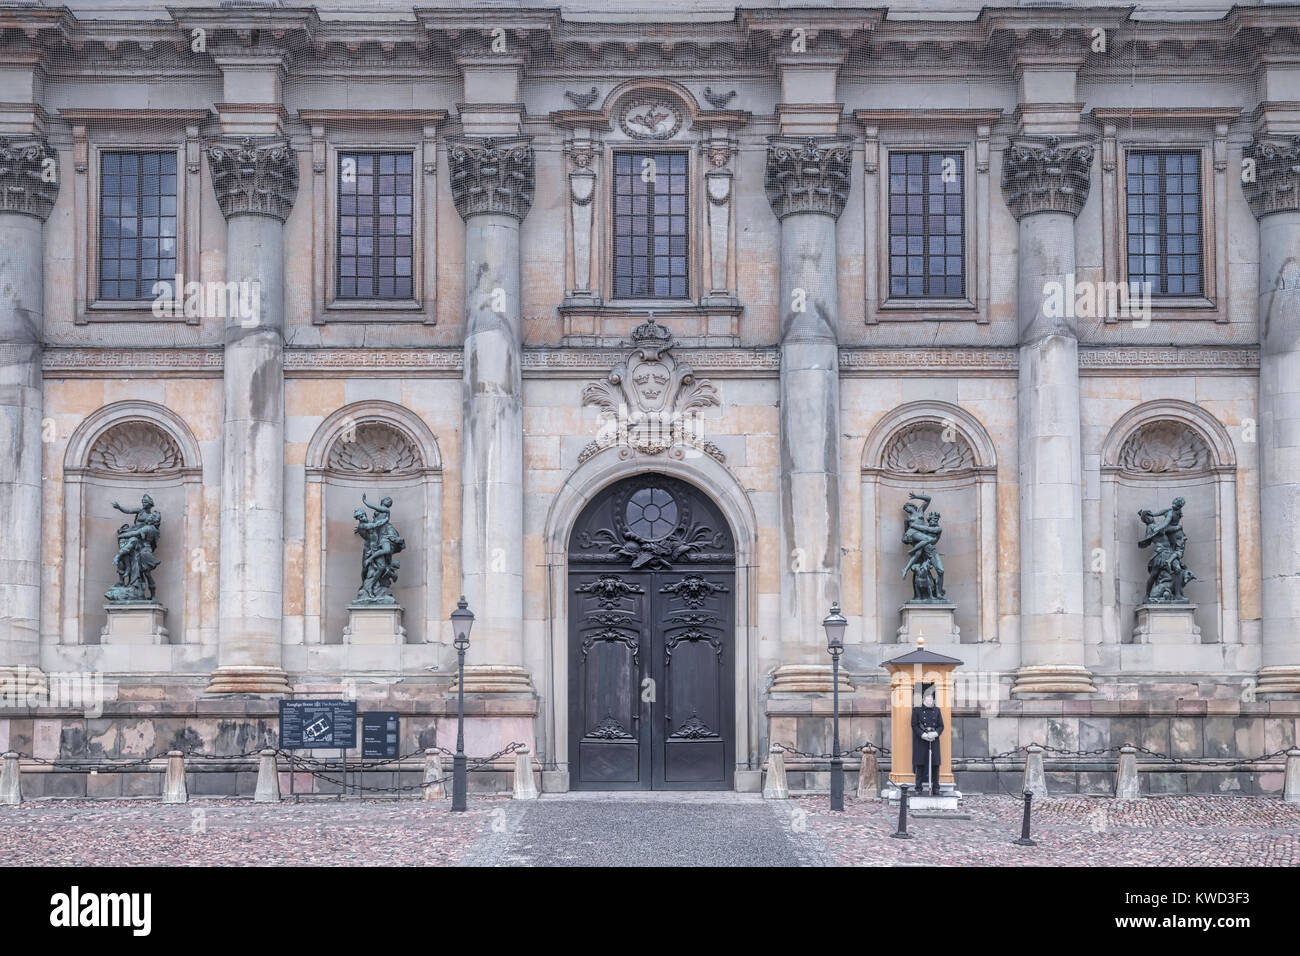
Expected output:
(651, 639)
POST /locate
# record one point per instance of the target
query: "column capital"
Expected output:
(1047, 174)
(811, 175)
(254, 176)
(29, 176)
(1274, 183)
(491, 175)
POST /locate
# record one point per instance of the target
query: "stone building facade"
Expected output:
(710, 292)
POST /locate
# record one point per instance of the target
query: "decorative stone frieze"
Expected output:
(1273, 184)
(492, 176)
(808, 175)
(29, 176)
(650, 401)
(254, 177)
(1046, 174)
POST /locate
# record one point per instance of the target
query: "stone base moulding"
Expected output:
(936, 622)
(1166, 624)
(248, 679)
(374, 624)
(1053, 679)
(495, 679)
(949, 798)
(808, 679)
(142, 623)
(1278, 679)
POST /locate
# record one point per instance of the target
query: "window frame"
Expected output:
(924, 301)
(1207, 298)
(693, 226)
(92, 306)
(100, 219)
(335, 307)
(413, 215)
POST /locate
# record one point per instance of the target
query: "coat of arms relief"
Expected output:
(651, 402)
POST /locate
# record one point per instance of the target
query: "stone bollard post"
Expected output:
(174, 787)
(869, 777)
(433, 789)
(775, 786)
(1126, 775)
(1290, 790)
(1035, 779)
(525, 788)
(11, 785)
(268, 779)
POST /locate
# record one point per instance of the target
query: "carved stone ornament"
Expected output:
(651, 402)
(492, 176)
(135, 448)
(808, 175)
(921, 449)
(650, 116)
(254, 176)
(609, 729)
(374, 448)
(1273, 185)
(1046, 174)
(1163, 447)
(29, 176)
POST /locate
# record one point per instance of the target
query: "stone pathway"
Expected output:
(640, 829)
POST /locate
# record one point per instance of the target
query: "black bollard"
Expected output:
(1024, 824)
(902, 833)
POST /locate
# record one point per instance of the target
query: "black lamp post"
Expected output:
(462, 619)
(835, 624)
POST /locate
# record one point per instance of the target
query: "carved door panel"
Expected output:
(651, 640)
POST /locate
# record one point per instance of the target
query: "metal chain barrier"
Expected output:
(868, 747)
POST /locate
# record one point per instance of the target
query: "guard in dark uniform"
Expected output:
(927, 725)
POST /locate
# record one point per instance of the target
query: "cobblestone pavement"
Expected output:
(1073, 831)
(722, 829)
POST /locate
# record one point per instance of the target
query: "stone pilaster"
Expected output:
(29, 185)
(807, 184)
(492, 184)
(1274, 196)
(1045, 181)
(256, 182)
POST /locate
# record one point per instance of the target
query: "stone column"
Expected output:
(1045, 181)
(807, 183)
(256, 181)
(29, 185)
(1274, 196)
(492, 184)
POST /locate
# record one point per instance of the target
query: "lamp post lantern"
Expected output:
(835, 624)
(462, 619)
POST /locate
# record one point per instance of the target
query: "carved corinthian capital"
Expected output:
(29, 176)
(1046, 174)
(254, 176)
(492, 176)
(1273, 184)
(807, 175)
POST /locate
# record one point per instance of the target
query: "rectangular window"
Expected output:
(375, 238)
(137, 225)
(927, 251)
(1163, 189)
(650, 237)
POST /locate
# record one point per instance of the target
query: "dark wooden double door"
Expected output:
(651, 640)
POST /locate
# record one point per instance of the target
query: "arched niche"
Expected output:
(940, 450)
(1154, 453)
(375, 449)
(120, 453)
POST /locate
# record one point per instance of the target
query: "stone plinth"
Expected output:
(142, 623)
(374, 624)
(935, 621)
(1166, 624)
(949, 798)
